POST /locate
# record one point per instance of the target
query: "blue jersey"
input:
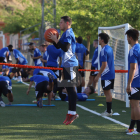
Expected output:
(36, 54)
(7, 80)
(18, 55)
(45, 58)
(95, 59)
(106, 55)
(44, 72)
(80, 51)
(134, 57)
(3, 52)
(69, 58)
(38, 79)
(80, 97)
(53, 55)
(5, 67)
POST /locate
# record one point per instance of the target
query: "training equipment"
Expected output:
(118, 42)
(27, 105)
(60, 99)
(100, 105)
(48, 31)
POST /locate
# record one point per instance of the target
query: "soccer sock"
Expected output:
(138, 125)
(109, 106)
(132, 124)
(72, 98)
(83, 88)
(19, 77)
(71, 112)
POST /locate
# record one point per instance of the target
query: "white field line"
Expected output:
(98, 114)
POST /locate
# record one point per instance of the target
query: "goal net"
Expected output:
(120, 46)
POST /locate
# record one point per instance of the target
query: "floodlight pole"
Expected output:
(42, 24)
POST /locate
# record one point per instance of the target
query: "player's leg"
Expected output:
(1, 61)
(107, 85)
(19, 74)
(83, 80)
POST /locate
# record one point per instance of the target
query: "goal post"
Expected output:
(118, 42)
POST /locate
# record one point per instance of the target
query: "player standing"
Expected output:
(67, 44)
(133, 85)
(94, 64)
(107, 71)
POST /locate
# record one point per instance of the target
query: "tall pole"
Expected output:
(54, 12)
(42, 24)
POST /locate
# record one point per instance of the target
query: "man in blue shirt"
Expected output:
(81, 52)
(43, 49)
(67, 44)
(43, 85)
(5, 89)
(53, 54)
(20, 59)
(94, 64)
(80, 96)
(107, 71)
(133, 85)
(4, 52)
(37, 54)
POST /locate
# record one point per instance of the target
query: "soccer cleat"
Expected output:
(67, 118)
(2, 104)
(129, 130)
(40, 103)
(134, 132)
(71, 118)
(106, 113)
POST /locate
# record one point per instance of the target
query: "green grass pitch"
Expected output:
(32, 123)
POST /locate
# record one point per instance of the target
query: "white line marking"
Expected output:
(108, 118)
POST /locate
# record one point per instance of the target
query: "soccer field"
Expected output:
(33, 123)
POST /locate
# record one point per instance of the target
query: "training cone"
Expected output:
(100, 105)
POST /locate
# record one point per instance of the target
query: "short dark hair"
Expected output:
(43, 45)
(133, 33)
(10, 46)
(92, 89)
(29, 69)
(104, 37)
(80, 39)
(96, 40)
(31, 43)
(67, 19)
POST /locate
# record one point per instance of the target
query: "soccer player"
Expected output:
(37, 54)
(94, 64)
(4, 52)
(6, 89)
(80, 96)
(133, 85)
(107, 71)
(20, 59)
(43, 49)
(43, 85)
(81, 52)
(67, 44)
(53, 54)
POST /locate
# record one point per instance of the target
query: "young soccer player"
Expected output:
(81, 52)
(5, 89)
(107, 71)
(94, 64)
(20, 59)
(80, 96)
(43, 85)
(133, 85)
(37, 54)
(67, 44)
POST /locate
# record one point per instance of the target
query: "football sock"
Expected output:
(109, 106)
(138, 125)
(72, 98)
(132, 124)
(83, 88)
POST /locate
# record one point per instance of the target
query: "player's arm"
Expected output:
(17, 60)
(131, 76)
(31, 83)
(7, 54)
(64, 46)
(36, 57)
(60, 62)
